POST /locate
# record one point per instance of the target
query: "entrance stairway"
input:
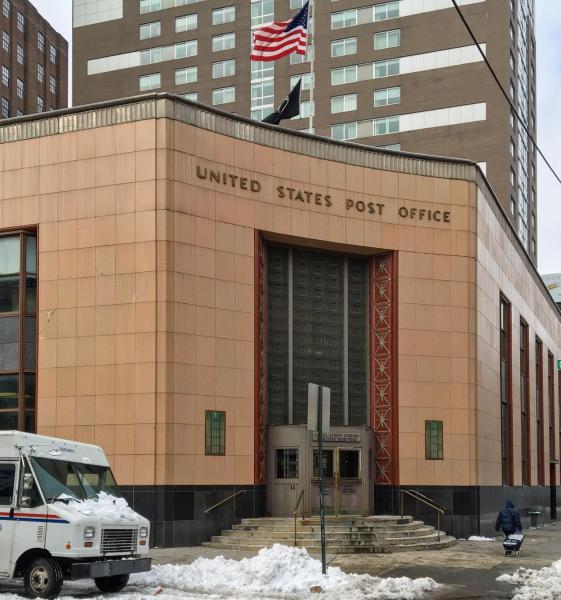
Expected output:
(344, 535)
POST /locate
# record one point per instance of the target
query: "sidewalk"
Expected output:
(466, 570)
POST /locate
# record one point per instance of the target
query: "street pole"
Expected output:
(321, 499)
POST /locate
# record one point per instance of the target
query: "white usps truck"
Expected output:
(62, 517)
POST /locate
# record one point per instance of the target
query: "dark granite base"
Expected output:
(470, 510)
(177, 514)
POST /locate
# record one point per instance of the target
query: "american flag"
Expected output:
(280, 38)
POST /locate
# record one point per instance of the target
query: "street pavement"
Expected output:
(466, 570)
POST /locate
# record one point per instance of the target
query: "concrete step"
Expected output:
(445, 542)
(288, 527)
(344, 535)
(429, 536)
(332, 534)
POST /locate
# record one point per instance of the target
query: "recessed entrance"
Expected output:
(294, 468)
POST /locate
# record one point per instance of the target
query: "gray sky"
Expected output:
(548, 33)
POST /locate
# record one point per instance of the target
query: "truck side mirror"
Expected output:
(25, 502)
(28, 481)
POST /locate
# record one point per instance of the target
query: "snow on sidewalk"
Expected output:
(479, 538)
(280, 572)
(542, 584)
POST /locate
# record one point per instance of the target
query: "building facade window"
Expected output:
(150, 30)
(505, 334)
(539, 413)
(344, 18)
(224, 68)
(150, 6)
(18, 340)
(551, 408)
(52, 54)
(525, 404)
(5, 108)
(387, 39)
(389, 10)
(316, 322)
(262, 11)
(344, 131)
(343, 47)
(386, 125)
(344, 75)
(20, 22)
(40, 72)
(186, 23)
(286, 463)
(386, 68)
(226, 41)
(224, 95)
(434, 440)
(5, 76)
(40, 42)
(40, 104)
(193, 96)
(19, 88)
(52, 84)
(344, 103)
(186, 75)
(226, 14)
(20, 55)
(6, 8)
(6, 41)
(149, 82)
(306, 80)
(296, 59)
(387, 96)
(215, 433)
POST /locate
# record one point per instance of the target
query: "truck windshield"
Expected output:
(77, 480)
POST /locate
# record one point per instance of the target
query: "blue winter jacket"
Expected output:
(508, 519)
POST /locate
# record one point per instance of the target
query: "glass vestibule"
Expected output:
(317, 331)
(18, 347)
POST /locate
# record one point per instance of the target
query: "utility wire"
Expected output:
(511, 104)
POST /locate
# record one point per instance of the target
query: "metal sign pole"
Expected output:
(321, 499)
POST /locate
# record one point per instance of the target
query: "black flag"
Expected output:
(289, 108)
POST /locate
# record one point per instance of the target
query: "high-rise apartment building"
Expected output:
(401, 75)
(34, 62)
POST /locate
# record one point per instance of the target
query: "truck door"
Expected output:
(30, 514)
(7, 523)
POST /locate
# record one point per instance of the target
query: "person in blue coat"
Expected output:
(508, 519)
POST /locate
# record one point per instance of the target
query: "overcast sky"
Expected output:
(548, 33)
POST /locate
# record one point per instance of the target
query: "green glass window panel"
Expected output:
(30, 344)
(9, 255)
(434, 440)
(30, 293)
(215, 432)
(358, 341)
(9, 389)
(31, 255)
(9, 344)
(277, 335)
(9, 293)
(318, 348)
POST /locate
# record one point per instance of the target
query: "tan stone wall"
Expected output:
(500, 269)
(146, 294)
(436, 269)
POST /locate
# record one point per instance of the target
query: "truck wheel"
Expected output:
(113, 584)
(43, 578)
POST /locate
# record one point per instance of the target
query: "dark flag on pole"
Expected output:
(290, 107)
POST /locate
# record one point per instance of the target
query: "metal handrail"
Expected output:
(295, 512)
(224, 501)
(422, 498)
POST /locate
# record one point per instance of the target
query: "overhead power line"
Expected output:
(504, 92)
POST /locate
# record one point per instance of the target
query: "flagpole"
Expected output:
(311, 21)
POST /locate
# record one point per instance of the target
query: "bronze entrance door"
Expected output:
(342, 471)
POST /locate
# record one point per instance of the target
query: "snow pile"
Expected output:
(479, 538)
(279, 570)
(104, 507)
(542, 584)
